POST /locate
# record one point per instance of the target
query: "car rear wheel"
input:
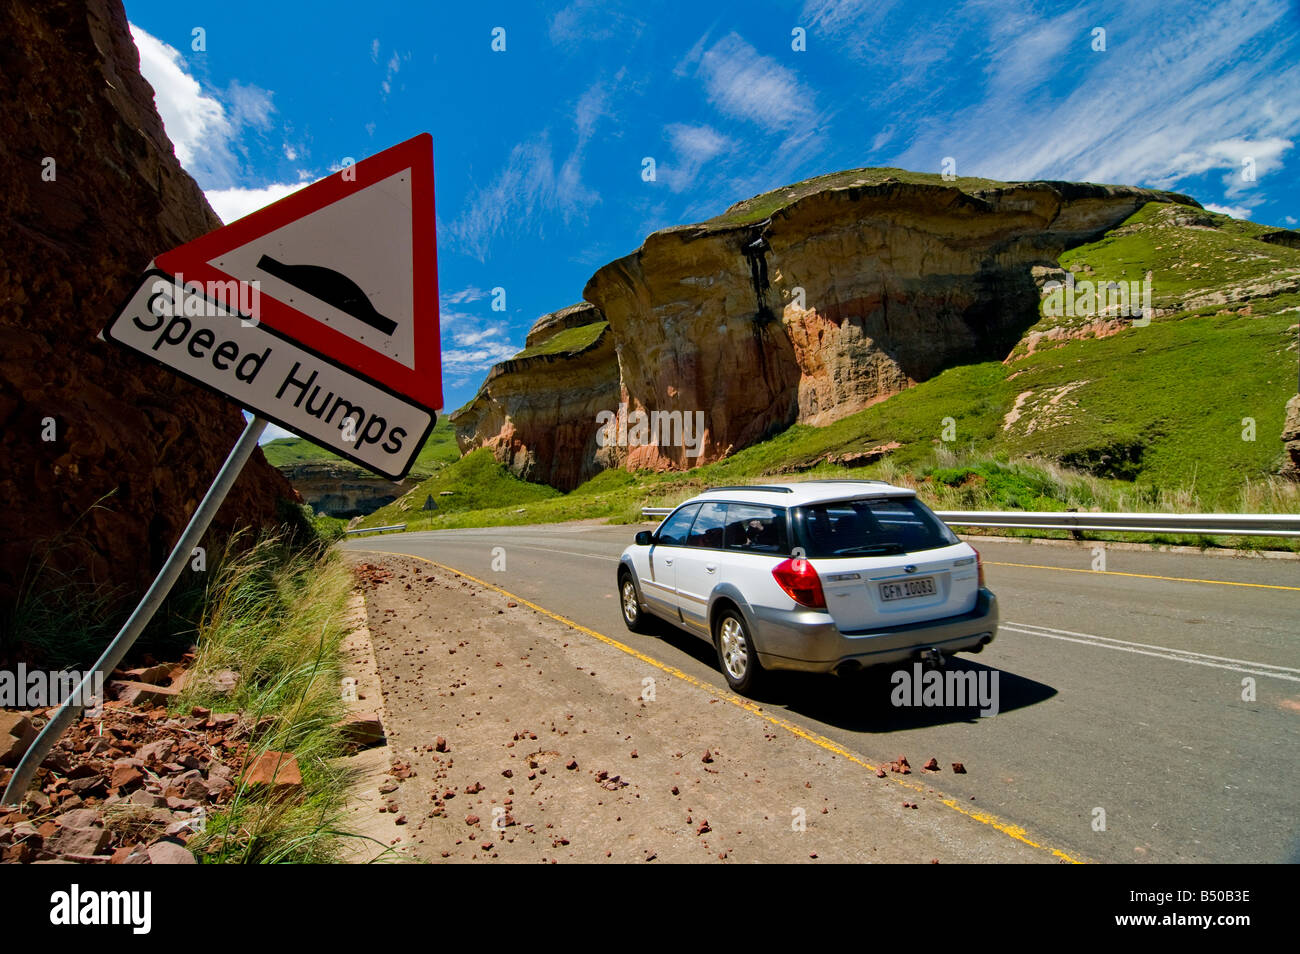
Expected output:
(736, 656)
(634, 615)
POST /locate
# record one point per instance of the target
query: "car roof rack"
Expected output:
(770, 488)
(843, 480)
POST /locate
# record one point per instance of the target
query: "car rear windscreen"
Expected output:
(876, 527)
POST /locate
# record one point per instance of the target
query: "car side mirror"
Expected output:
(645, 538)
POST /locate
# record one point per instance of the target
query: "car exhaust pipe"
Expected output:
(932, 658)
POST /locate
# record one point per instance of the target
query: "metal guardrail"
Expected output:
(1221, 524)
(396, 526)
(1229, 524)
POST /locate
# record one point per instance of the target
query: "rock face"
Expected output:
(548, 326)
(1291, 440)
(342, 490)
(537, 413)
(804, 305)
(94, 191)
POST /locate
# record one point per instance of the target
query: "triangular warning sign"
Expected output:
(346, 267)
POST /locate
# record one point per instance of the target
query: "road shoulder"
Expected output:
(523, 739)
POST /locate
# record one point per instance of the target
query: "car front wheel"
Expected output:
(736, 654)
(634, 616)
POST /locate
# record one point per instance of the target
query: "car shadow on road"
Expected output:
(865, 702)
(687, 643)
(878, 701)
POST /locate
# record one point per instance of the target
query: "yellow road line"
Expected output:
(1144, 576)
(985, 818)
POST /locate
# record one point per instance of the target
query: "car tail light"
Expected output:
(979, 565)
(800, 582)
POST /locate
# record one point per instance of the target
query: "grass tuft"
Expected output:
(277, 616)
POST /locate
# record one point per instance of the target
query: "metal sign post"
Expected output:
(171, 570)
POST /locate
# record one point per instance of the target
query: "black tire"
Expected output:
(736, 657)
(635, 617)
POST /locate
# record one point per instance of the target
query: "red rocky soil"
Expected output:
(132, 787)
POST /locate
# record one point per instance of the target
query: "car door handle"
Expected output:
(711, 567)
(667, 562)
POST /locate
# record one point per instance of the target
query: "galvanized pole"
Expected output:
(72, 707)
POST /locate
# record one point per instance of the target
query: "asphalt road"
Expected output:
(1121, 691)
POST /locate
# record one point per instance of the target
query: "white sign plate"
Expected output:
(210, 343)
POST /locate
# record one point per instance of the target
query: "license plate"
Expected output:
(908, 589)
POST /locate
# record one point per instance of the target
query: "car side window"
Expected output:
(673, 532)
(707, 530)
(756, 529)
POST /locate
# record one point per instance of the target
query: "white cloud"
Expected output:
(698, 143)
(593, 106)
(1180, 99)
(374, 49)
(1236, 211)
(204, 128)
(744, 84)
(860, 28)
(465, 361)
(471, 344)
(585, 24)
(882, 138)
(231, 204)
(525, 186)
(196, 123)
(249, 106)
(1029, 50)
(470, 293)
(839, 17)
(467, 338)
(273, 432)
(530, 183)
(394, 65)
(1235, 156)
(694, 147)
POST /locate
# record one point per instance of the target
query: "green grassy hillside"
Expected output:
(474, 482)
(568, 340)
(438, 451)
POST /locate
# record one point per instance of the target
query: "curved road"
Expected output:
(1126, 729)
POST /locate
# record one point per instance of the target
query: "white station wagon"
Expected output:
(818, 576)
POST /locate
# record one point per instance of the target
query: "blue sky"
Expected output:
(539, 149)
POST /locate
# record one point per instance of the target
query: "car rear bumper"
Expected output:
(810, 642)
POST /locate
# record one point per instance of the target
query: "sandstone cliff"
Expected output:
(536, 411)
(343, 490)
(801, 305)
(1291, 440)
(549, 325)
(135, 447)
